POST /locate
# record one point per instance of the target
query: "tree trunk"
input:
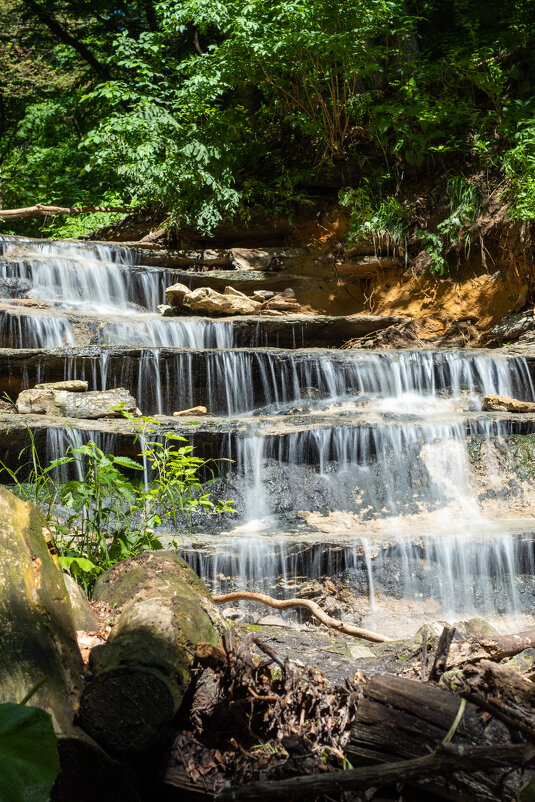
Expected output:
(44, 211)
(140, 676)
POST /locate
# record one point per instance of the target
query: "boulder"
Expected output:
(512, 326)
(263, 295)
(232, 291)
(73, 386)
(264, 258)
(504, 403)
(98, 404)
(204, 299)
(175, 294)
(282, 303)
(192, 411)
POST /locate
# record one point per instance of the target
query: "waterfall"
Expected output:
(34, 331)
(89, 276)
(359, 465)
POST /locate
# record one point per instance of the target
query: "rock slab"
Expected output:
(504, 403)
(98, 404)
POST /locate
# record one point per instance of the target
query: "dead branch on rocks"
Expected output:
(44, 211)
(304, 604)
(445, 760)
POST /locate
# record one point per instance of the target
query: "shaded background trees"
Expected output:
(209, 109)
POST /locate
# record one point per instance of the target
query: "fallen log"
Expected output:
(142, 673)
(495, 648)
(38, 642)
(39, 210)
(399, 718)
(37, 634)
(441, 763)
(303, 604)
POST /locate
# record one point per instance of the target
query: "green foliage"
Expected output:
(434, 246)
(104, 516)
(464, 207)
(212, 109)
(29, 762)
(519, 167)
(385, 222)
(456, 229)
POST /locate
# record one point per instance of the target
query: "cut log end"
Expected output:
(126, 710)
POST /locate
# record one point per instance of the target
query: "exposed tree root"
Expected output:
(305, 604)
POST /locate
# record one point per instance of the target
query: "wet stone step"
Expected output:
(238, 381)
(293, 441)
(33, 327)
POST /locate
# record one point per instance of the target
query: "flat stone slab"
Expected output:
(288, 331)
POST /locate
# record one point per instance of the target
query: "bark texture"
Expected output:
(37, 631)
(141, 675)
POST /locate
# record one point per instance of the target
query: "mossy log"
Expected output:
(38, 639)
(37, 631)
(141, 675)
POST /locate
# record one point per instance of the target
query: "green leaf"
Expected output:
(82, 562)
(126, 462)
(29, 761)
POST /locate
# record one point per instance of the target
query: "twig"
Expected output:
(304, 604)
(269, 651)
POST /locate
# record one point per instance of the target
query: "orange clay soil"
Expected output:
(434, 302)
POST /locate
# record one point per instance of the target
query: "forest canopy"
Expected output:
(212, 108)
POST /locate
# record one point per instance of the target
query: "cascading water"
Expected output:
(355, 463)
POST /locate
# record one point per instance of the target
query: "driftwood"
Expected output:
(441, 763)
(39, 210)
(400, 718)
(140, 676)
(303, 604)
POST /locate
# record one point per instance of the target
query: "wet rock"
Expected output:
(475, 628)
(72, 385)
(512, 326)
(274, 621)
(88, 405)
(234, 614)
(524, 662)
(13, 287)
(166, 311)
(504, 403)
(264, 258)
(191, 411)
(175, 294)
(207, 300)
